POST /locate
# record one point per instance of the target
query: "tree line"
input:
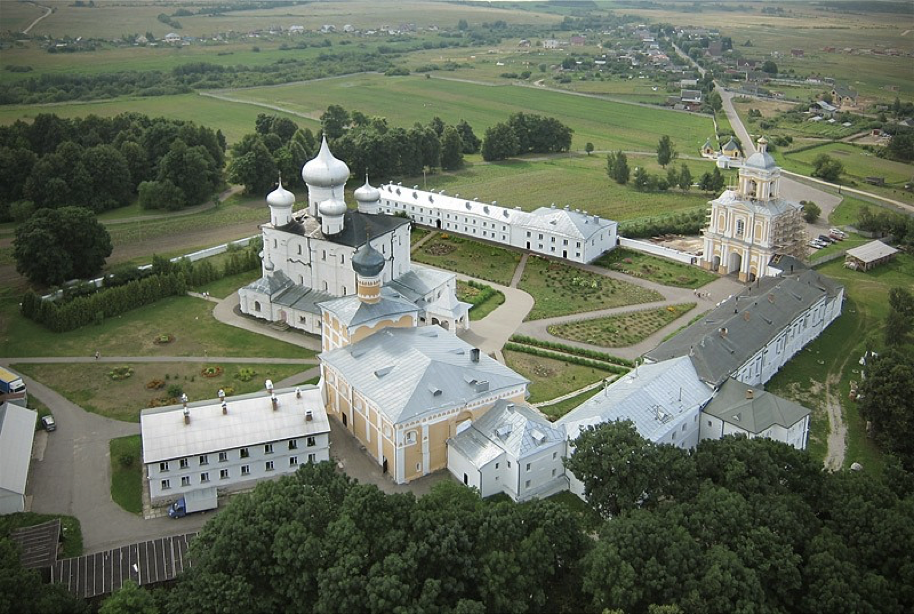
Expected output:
(736, 525)
(63, 87)
(104, 163)
(84, 304)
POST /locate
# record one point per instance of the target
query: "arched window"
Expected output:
(256, 305)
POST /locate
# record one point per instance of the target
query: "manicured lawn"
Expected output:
(560, 289)
(70, 529)
(91, 387)
(482, 305)
(190, 320)
(127, 472)
(469, 257)
(222, 288)
(622, 330)
(557, 410)
(550, 378)
(660, 270)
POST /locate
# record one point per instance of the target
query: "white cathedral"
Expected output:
(307, 255)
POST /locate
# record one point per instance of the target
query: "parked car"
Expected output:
(826, 240)
(837, 233)
(48, 423)
(815, 244)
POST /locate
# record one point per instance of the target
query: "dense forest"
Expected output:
(736, 525)
(103, 163)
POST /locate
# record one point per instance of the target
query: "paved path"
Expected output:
(712, 294)
(226, 312)
(73, 477)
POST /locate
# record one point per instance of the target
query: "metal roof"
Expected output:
(418, 282)
(475, 447)
(251, 420)
(352, 311)
(409, 372)
(725, 338)
(757, 414)
(447, 304)
(270, 284)
(872, 251)
(17, 431)
(566, 221)
(516, 428)
(358, 227)
(302, 298)
(652, 397)
(150, 562)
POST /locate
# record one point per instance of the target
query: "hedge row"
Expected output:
(576, 360)
(685, 223)
(485, 293)
(570, 349)
(63, 316)
(121, 292)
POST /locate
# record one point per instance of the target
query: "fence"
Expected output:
(199, 255)
(658, 250)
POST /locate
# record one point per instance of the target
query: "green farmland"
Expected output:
(858, 163)
(406, 100)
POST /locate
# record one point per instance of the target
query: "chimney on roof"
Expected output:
(474, 354)
(275, 402)
(723, 331)
(750, 394)
(309, 416)
(224, 408)
(186, 416)
(510, 407)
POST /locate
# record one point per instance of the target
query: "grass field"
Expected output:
(127, 473)
(469, 257)
(110, 19)
(406, 100)
(836, 352)
(557, 410)
(660, 270)
(579, 182)
(551, 378)
(560, 289)
(621, 330)
(190, 320)
(90, 387)
(858, 163)
(479, 310)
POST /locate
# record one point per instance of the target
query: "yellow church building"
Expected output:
(750, 224)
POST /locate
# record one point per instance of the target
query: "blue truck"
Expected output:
(194, 501)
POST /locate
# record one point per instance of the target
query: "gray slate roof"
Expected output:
(650, 397)
(515, 428)
(408, 372)
(357, 227)
(757, 414)
(302, 298)
(751, 320)
(352, 311)
(17, 431)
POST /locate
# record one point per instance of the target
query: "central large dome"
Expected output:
(325, 170)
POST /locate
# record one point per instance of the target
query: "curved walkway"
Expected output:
(48, 11)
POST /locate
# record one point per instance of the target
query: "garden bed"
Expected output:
(620, 330)
(560, 289)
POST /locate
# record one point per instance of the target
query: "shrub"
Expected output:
(245, 374)
(174, 391)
